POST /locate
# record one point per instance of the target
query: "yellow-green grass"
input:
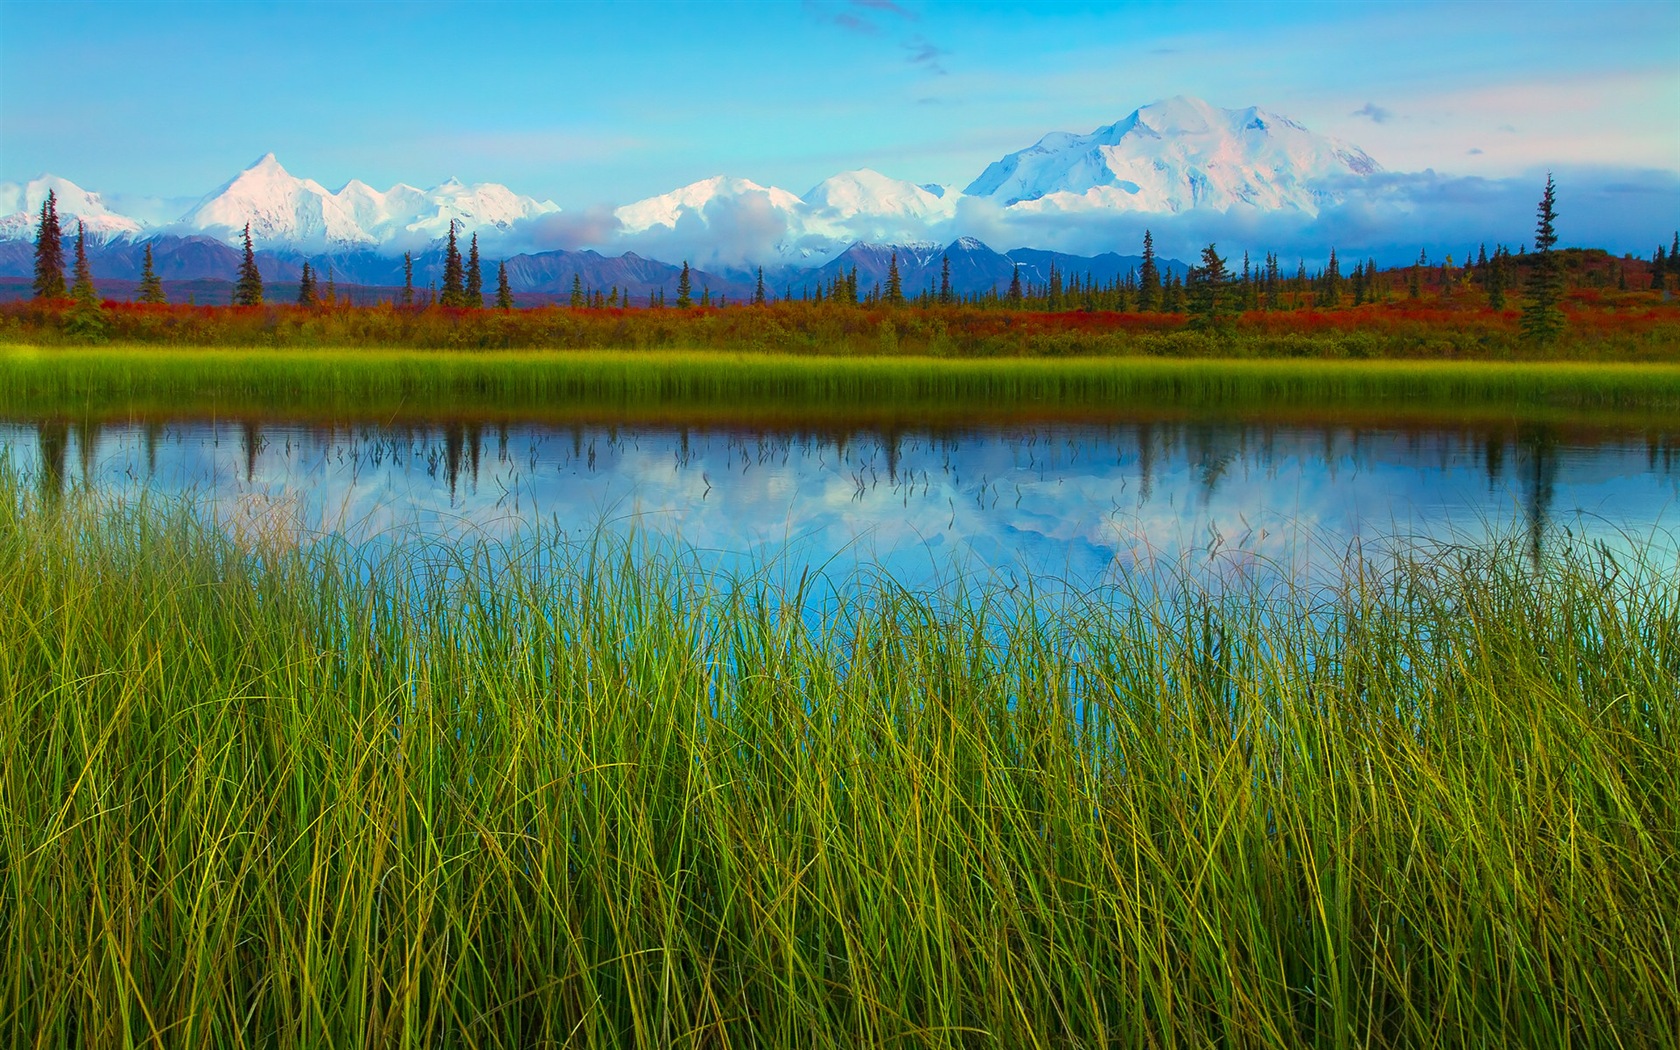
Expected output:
(280, 793)
(705, 386)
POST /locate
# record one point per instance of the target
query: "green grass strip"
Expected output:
(152, 383)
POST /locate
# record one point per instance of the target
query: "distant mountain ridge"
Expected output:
(1170, 157)
(975, 269)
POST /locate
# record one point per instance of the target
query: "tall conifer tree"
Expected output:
(504, 294)
(895, 283)
(1149, 277)
(1542, 317)
(945, 278)
(453, 292)
(248, 290)
(474, 296)
(1210, 299)
(685, 288)
(408, 279)
(758, 290)
(49, 251)
(306, 286)
(82, 289)
(151, 287)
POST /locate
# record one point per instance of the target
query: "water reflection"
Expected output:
(1072, 501)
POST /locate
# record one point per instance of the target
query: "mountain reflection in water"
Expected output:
(1074, 502)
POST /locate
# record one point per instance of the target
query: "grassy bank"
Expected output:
(277, 796)
(152, 383)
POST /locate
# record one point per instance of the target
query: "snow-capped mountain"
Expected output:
(279, 207)
(1178, 156)
(861, 205)
(713, 195)
(728, 222)
(866, 195)
(301, 213)
(1175, 155)
(20, 210)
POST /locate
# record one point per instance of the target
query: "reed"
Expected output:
(381, 385)
(263, 789)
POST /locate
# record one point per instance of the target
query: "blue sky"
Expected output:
(587, 103)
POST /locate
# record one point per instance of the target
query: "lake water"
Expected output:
(1083, 503)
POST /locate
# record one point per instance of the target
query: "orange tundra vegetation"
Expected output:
(1448, 317)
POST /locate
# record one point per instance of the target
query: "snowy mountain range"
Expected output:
(1177, 156)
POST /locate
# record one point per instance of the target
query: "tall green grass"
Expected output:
(259, 793)
(391, 384)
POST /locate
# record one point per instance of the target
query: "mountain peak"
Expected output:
(1173, 155)
(20, 208)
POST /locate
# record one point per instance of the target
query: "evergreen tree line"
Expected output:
(1211, 292)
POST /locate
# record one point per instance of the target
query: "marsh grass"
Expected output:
(747, 388)
(258, 793)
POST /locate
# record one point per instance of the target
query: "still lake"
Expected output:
(1072, 502)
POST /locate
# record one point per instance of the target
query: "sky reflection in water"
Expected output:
(1080, 503)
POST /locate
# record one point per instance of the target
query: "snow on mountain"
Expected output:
(727, 222)
(20, 210)
(279, 207)
(718, 192)
(868, 195)
(1180, 155)
(1175, 155)
(861, 205)
(301, 213)
(480, 205)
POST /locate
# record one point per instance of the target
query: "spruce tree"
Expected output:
(151, 287)
(758, 290)
(1674, 255)
(82, 289)
(577, 300)
(1659, 269)
(504, 294)
(1330, 284)
(852, 285)
(1014, 297)
(408, 279)
(306, 286)
(453, 292)
(895, 284)
(248, 290)
(1149, 277)
(945, 279)
(474, 296)
(1542, 318)
(685, 288)
(1172, 294)
(49, 251)
(1210, 304)
(1495, 279)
